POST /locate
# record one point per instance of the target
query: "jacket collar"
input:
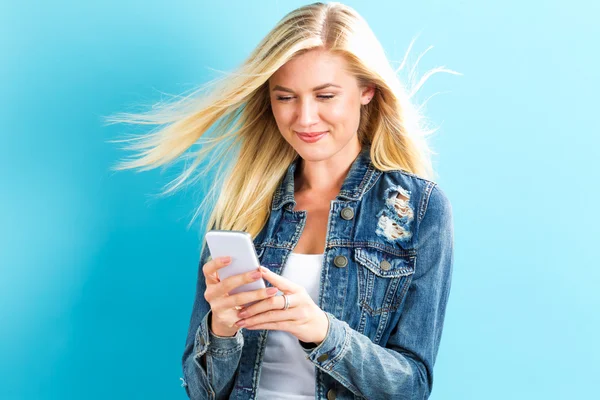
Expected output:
(361, 176)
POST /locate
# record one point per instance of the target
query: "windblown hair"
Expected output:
(244, 133)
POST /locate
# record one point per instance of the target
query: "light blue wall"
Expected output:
(97, 277)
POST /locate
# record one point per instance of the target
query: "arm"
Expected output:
(209, 362)
(404, 367)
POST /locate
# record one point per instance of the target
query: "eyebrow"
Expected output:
(326, 85)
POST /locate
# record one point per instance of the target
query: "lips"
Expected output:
(311, 137)
(310, 134)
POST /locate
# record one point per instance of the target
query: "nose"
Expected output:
(308, 112)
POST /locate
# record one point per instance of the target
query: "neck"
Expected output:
(326, 176)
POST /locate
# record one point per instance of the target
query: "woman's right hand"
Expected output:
(223, 305)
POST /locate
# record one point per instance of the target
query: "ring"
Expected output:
(287, 302)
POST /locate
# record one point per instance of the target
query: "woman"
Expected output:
(331, 176)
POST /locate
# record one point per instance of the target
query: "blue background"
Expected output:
(97, 273)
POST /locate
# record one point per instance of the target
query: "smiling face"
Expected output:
(316, 95)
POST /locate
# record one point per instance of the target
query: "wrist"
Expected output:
(220, 331)
(324, 330)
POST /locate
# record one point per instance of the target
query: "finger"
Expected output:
(286, 326)
(283, 284)
(232, 282)
(239, 299)
(210, 268)
(212, 280)
(268, 317)
(273, 303)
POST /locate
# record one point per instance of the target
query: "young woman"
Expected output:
(331, 175)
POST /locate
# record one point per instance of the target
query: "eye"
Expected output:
(321, 96)
(280, 98)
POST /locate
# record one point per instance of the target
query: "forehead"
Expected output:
(311, 69)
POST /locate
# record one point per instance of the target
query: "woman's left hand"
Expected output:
(303, 319)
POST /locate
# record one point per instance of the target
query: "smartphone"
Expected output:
(240, 247)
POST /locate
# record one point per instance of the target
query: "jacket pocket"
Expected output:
(383, 278)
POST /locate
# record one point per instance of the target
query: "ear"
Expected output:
(367, 94)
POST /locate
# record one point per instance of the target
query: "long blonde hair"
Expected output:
(244, 136)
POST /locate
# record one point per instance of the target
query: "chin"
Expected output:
(314, 153)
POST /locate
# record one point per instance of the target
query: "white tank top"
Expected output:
(286, 373)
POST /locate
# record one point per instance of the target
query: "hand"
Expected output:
(224, 307)
(303, 319)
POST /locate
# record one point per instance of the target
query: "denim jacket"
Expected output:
(384, 287)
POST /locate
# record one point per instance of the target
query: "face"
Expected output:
(314, 94)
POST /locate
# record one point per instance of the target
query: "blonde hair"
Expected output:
(244, 129)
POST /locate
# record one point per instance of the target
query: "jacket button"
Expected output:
(330, 394)
(385, 265)
(347, 213)
(322, 357)
(340, 261)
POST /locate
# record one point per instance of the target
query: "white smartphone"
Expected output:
(240, 247)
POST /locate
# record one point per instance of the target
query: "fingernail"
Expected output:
(242, 314)
(240, 323)
(264, 269)
(255, 275)
(272, 290)
(226, 259)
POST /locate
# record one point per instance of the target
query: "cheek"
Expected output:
(283, 120)
(345, 113)
(337, 112)
(282, 115)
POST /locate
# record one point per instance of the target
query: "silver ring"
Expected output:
(287, 302)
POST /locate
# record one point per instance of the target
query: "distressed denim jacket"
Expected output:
(384, 287)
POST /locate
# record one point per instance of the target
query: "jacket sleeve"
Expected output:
(209, 362)
(404, 367)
